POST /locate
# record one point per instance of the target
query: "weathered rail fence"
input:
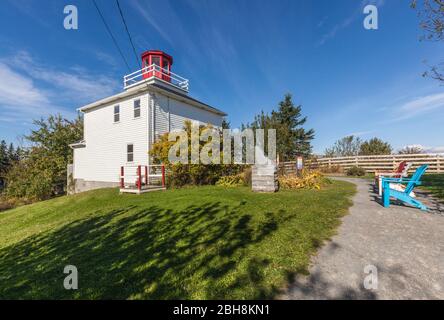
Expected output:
(377, 163)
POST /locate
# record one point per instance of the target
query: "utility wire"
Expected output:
(130, 39)
(128, 33)
(111, 34)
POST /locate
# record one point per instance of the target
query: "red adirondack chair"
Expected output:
(400, 172)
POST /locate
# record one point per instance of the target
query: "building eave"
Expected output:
(152, 87)
(79, 144)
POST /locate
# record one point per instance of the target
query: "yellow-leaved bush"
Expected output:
(308, 179)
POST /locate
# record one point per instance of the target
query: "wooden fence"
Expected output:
(381, 163)
(287, 168)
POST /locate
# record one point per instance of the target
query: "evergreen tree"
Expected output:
(4, 159)
(13, 154)
(292, 138)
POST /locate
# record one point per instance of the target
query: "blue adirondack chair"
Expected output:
(403, 196)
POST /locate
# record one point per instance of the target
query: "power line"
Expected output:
(130, 39)
(111, 34)
(128, 33)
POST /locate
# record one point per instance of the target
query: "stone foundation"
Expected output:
(81, 185)
(264, 178)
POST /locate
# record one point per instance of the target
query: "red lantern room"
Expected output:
(157, 63)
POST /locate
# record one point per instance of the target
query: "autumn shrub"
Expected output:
(331, 169)
(181, 174)
(247, 176)
(308, 179)
(231, 181)
(356, 171)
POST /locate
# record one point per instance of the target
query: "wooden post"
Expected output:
(163, 175)
(139, 178)
(122, 178)
(146, 175)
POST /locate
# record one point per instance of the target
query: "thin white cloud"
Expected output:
(17, 89)
(435, 149)
(28, 8)
(357, 13)
(76, 82)
(30, 90)
(145, 13)
(106, 58)
(419, 106)
(21, 100)
(425, 149)
(360, 133)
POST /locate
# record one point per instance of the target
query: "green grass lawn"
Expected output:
(434, 183)
(192, 243)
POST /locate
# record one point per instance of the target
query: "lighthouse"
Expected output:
(120, 130)
(158, 64)
(156, 69)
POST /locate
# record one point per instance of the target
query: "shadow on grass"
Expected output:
(434, 183)
(148, 253)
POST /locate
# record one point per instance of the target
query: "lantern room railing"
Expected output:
(155, 72)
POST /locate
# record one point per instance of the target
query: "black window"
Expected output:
(136, 108)
(155, 60)
(165, 65)
(116, 113)
(130, 153)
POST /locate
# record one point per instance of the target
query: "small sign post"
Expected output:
(299, 164)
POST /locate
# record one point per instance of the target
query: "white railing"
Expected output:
(155, 72)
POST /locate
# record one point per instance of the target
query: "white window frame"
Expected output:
(139, 108)
(129, 153)
(116, 113)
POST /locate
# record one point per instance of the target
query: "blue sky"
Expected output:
(241, 56)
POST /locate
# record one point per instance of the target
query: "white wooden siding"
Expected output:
(106, 141)
(181, 111)
(161, 115)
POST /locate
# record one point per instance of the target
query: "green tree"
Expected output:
(191, 174)
(346, 147)
(4, 158)
(375, 146)
(4, 162)
(291, 137)
(44, 167)
(411, 150)
(13, 154)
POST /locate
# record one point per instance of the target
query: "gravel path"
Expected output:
(405, 244)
